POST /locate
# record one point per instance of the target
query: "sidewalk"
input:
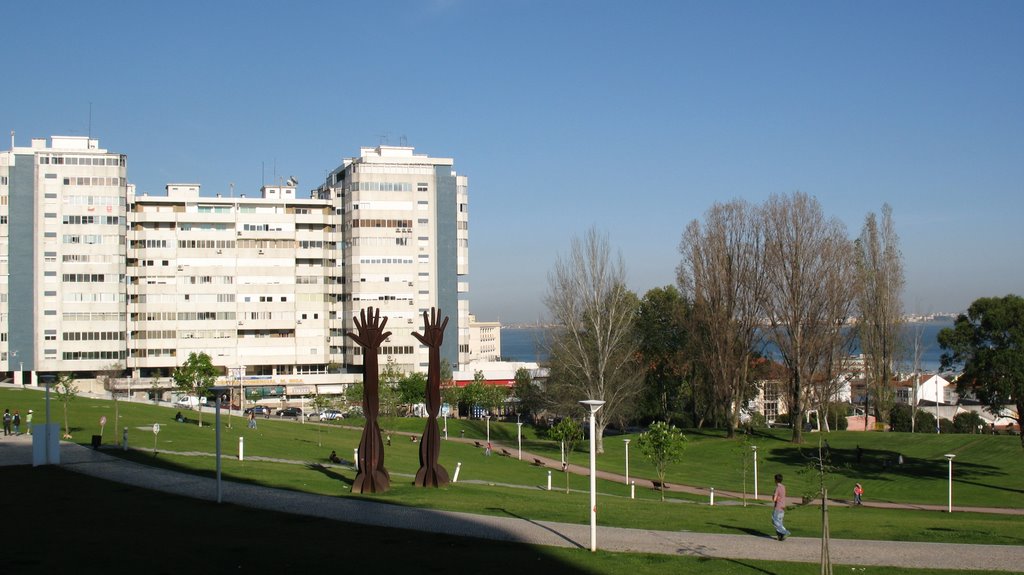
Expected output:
(80, 459)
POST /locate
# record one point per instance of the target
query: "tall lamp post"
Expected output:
(626, 441)
(949, 458)
(594, 405)
(754, 447)
(519, 438)
(487, 418)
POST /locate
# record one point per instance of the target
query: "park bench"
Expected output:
(538, 462)
(505, 452)
(478, 444)
(657, 484)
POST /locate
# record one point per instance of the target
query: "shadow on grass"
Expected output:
(236, 539)
(883, 465)
(330, 473)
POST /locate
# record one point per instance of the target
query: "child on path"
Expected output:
(858, 491)
(779, 509)
(17, 422)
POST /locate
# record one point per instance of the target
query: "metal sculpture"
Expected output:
(372, 477)
(431, 473)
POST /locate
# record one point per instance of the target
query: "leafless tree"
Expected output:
(594, 349)
(880, 281)
(721, 272)
(808, 264)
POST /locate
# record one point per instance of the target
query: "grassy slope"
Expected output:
(988, 471)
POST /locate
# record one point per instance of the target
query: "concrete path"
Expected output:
(17, 451)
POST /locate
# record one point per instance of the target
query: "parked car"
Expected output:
(258, 410)
(325, 415)
(292, 412)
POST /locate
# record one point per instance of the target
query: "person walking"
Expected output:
(28, 422)
(7, 422)
(17, 422)
(252, 419)
(779, 509)
(858, 491)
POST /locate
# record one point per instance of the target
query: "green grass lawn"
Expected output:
(988, 472)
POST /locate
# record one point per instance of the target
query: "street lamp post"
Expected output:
(755, 448)
(594, 405)
(519, 438)
(949, 458)
(446, 426)
(626, 441)
(487, 418)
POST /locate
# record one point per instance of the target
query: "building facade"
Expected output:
(405, 237)
(62, 257)
(267, 286)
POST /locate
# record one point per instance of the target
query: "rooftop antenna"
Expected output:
(383, 139)
(403, 141)
(90, 120)
(232, 186)
(12, 139)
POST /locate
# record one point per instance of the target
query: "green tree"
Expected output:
(663, 444)
(988, 341)
(474, 393)
(967, 422)
(529, 397)
(663, 334)
(900, 417)
(412, 388)
(570, 433)
(66, 391)
(195, 377)
(924, 422)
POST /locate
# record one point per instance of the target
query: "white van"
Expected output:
(189, 401)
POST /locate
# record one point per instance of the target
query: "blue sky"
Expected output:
(631, 117)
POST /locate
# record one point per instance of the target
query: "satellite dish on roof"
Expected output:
(292, 180)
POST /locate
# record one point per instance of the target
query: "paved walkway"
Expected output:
(17, 451)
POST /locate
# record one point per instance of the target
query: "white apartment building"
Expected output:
(62, 257)
(252, 282)
(266, 285)
(405, 234)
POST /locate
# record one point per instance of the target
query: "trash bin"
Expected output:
(96, 440)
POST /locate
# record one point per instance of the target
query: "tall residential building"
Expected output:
(253, 282)
(62, 256)
(405, 233)
(98, 275)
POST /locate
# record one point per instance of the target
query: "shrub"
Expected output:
(925, 422)
(967, 422)
(945, 426)
(900, 418)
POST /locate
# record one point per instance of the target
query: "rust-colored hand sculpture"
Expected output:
(370, 334)
(431, 474)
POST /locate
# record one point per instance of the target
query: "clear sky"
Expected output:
(634, 117)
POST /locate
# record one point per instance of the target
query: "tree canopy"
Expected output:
(988, 342)
(195, 377)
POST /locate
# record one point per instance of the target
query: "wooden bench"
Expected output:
(657, 485)
(478, 444)
(538, 462)
(505, 452)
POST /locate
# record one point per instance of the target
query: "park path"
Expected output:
(96, 463)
